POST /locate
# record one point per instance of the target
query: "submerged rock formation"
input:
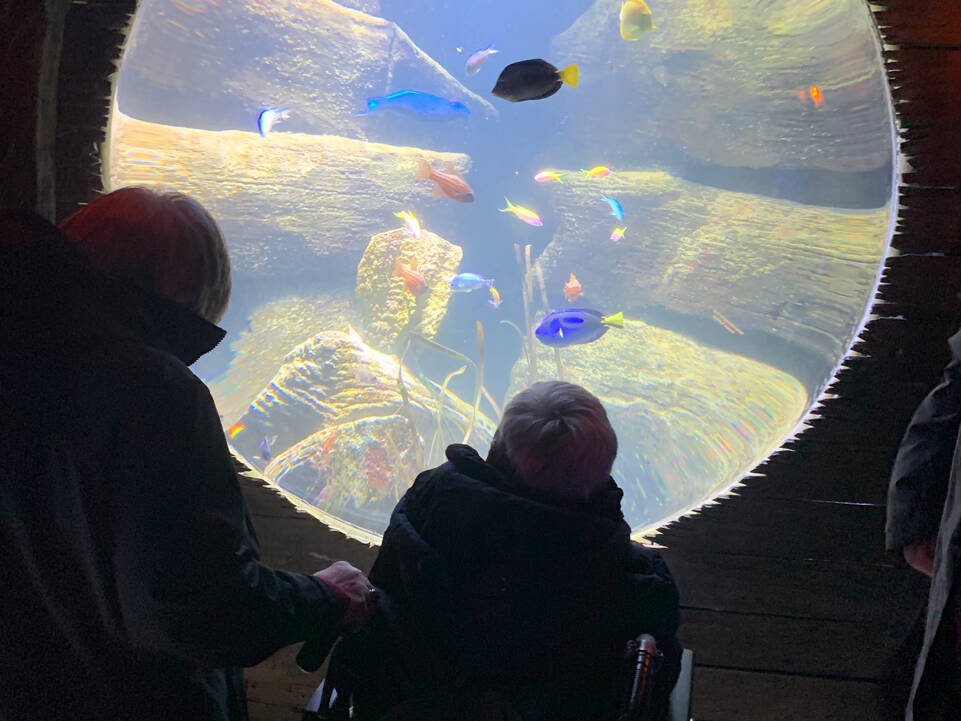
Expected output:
(289, 204)
(219, 68)
(801, 273)
(273, 330)
(389, 310)
(727, 83)
(335, 392)
(691, 419)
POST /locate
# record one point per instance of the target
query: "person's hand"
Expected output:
(920, 556)
(361, 596)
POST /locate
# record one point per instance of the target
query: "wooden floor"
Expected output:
(791, 605)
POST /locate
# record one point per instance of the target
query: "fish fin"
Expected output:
(616, 320)
(413, 264)
(451, 170)
(398, 269)
(423, 170)
(438, 192)
(509, 208)
(569, 75)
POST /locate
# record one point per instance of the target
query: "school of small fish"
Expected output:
(525, 80)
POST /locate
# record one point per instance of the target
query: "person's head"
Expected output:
(164, 242)
(556, 437)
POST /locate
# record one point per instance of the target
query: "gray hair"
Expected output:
(556, 437)
(165, 242)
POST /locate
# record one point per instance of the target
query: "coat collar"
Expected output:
(51, 296)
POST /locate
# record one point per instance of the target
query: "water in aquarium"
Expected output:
(682, 205)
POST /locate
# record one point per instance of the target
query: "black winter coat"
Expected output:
(130, 579)
(489, 585)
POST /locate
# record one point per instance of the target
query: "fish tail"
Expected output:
(616, 320)
(491, 47)
(569, 75)
(509, 208)
(398, 269)
(423, 170)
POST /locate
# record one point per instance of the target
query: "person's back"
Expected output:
(521, 585)
(131, 584)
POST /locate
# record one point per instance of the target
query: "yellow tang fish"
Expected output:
(636, 19)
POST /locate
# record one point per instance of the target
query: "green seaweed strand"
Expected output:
(479, 385)
(438, 434)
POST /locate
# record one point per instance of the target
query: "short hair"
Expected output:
(164, 242)
(556, 437)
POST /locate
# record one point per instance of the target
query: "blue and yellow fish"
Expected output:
(574, 326)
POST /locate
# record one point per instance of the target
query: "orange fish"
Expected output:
(572, 289)
(329, 442)
(449, 182)
(814, 93)
(414, 282)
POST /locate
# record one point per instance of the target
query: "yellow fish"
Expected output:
(618, 233)
(525, 214)
(636, 19)
(495, 297)
(598, 171)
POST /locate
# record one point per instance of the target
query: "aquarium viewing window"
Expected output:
(713, 199)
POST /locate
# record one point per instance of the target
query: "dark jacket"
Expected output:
(924, 503)
(487, 585)
(130, 580)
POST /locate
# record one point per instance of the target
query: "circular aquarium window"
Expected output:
(688, 217)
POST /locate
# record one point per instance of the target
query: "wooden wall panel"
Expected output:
(793, 609)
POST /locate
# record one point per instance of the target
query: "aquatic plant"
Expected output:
(480, 391)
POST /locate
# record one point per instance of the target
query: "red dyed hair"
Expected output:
(164, 242)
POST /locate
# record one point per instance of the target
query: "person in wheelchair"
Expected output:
(508, 587)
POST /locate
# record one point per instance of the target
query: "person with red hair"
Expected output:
(132, 586)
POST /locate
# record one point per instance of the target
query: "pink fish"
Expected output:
(477, 59)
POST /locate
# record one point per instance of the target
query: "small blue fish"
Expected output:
(265, 451)
(414, 101)
(562, 328)
(267, 118)
(477, 59)
(616, 210)
(466, 282)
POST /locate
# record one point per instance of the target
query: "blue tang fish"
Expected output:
(466, 282)
(562, 328)
(414, 101)
(616, 210)
(264, 449)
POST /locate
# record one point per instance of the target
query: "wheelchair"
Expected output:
(638, 669)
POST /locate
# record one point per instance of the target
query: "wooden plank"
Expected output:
(786, 529)
(748, 642)
(731, 695)
(29, 64)
(909, 22)
(929, 221)
(795, 588)
(93, 39)
(925, 83)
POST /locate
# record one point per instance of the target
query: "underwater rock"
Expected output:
(798, 274)
(290, 205)
(274, 329)
(695, 417)
(219, 68)
(389, 311)
(354, 472)
(726, 83)
(335, 379)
